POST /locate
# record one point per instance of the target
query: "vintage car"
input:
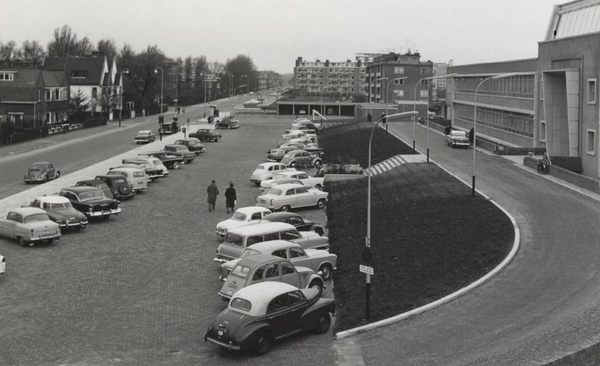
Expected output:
(295, 220)
(266, 171)
(307, 139)
(41, 172)
(144, 137)
(268, 268)
(259, 314)
(135, 176)
(266, 184)
(114, 186)
(2, 265)
(240, 238)
(206, 134)
(307, 180)
(228, 123)
(150, 169)
(242, 216)
(168, 160)
(29, 225)
(319, 260)
(279, 153)
(285, 197)
(301, 158)
(292, 134)
(61, 211)
(193, 144)
(182, 151)
(456, 138)
(306, 124)
(91, 201)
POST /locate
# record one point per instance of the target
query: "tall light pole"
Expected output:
(369, 173)
(426, 108)
(499, 76)
(161, 85)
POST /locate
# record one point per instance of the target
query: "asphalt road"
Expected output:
(543, 306)
(141, 287)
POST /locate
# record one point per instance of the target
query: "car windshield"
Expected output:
(144, 133)
(36, 168)
(273, 191)
(91, 195)
(59, 206)
(157, 162)
(241, 271)
(194, 143)
(241, 304)
(249, 252)
(260, 167)
(238, 216)
(234, 239)
(36, 217)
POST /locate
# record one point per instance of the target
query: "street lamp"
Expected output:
(161, 85)
(369, 173)
(499, 76)
(426, 108)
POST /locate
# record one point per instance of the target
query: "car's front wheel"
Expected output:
(317, 284)
(325, 270)
(22, 241)
(176, 165)
(324, 323)
(264, 341)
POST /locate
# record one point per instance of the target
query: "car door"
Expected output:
(7, 226)
(289, 198)
(51, 171)
(289, 274)
(304, 197)
(284, 315)
(299, 258)
(272, 273)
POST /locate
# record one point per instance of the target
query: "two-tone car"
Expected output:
(134, 175)
(91, 201)
(182, 151)
(61, 211)
(307, 180)
(259, 314)
(115, 186)
(150, 169)
(29, 226)
(170, 161)
(144, 137)
(268, 268)
(265, 171)
(241, 217)
(285, 197)
(319, 260)
(40, 172)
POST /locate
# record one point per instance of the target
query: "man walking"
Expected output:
(230, 197)
(212, 191)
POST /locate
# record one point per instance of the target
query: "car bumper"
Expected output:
(67, 225)
(112, 211)
(47, 237)
(229, 346)
(219, 259)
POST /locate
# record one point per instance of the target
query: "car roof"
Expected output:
(287, 173)
(251, 209)
(280, 216)
(189, 139)
(53, 199)
(28, 210)
(110, 176)
(269, 164)
(288, 186)
(80, 189)
(144, 131)
(127, 169)
(261, 228)
(260, 295)
(254, 261)
(268, 246)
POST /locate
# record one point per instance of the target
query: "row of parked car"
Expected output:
(273, 265)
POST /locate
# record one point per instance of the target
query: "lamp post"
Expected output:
(499, 76)
(161, 86)
(369, 173)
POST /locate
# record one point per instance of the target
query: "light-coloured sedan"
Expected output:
(241, 217)
(285, 197)
(29, 225)
(319, 260)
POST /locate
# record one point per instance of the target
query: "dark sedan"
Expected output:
(228, 123)
(193, 144)
(91, 201)
(294, 219)
(182, 151)
(115, 186)
(262, 313)
(206, 134)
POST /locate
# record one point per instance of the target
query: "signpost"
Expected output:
(369, 272)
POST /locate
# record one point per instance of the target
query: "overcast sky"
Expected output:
(275, 32)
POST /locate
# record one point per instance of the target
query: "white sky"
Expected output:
(275, 32)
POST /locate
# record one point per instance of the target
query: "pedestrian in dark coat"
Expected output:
(230, 197)
(212, 191)
(471, 135)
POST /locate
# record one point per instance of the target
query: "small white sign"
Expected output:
(366, 269)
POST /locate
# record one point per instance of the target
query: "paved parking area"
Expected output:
(141, 287)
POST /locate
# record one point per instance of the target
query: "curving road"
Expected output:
(541, 307)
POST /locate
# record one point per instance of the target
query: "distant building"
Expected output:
(395, 78)
(339, 79)
(549, 102)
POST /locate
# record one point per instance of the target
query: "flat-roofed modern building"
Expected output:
(548, 102)
(342, 79)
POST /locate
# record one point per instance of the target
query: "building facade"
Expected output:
(549, 102)
(400, 79)
(340, 79)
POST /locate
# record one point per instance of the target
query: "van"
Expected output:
(238, 239)
(136, 177)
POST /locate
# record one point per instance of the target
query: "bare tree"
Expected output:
(126, 57)
(108, 47)
(200, 67)
(64, 42)
(32, 50)
(187, 72)
(7, 53)
(85, 47)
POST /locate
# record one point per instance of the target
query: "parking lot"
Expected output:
(141, 287)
